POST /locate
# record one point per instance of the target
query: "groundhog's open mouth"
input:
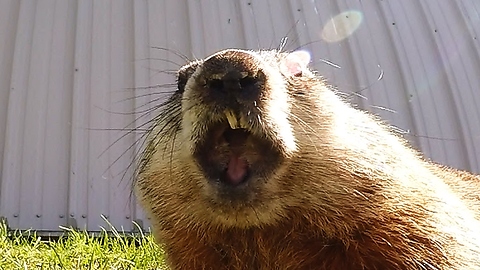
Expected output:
(233, 156)
(237, 168)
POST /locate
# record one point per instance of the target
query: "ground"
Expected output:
(79, 250)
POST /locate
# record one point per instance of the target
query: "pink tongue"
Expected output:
(237, 169)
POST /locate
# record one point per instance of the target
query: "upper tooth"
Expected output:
(243, 122)
(232, 119)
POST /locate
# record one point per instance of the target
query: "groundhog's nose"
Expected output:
(234, 75)
(233, 81)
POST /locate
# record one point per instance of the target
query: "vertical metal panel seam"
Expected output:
(473, 156)
(140, 75)
(283, 17)
(130, 201)
(106, 171)
(360, 76)
(475, 6)
(229, 17)
(248, 26)
(469, 23)
(427, 142)
(43, 158)
(438, 51)
(72, 102)
(462, 122)
(196, 28)
(14, 14)
(408, 77)
(28, 72)
(309, 45)
(450, 80)
(106, 118)
(131, 121)
(241, 24)
(295, 40)
(301, 41)
(220, 33)
(403, 69)
(357, 62)
(254, 24)
(108, 99)
(16, 125)
(271, 46)
(270, 15)
(165, 25)
(80, 113)
(203, 18)
(121, 79)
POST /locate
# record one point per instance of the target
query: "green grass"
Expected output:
(79, 250)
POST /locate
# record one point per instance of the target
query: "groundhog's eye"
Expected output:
(181, 82)
(184, 74)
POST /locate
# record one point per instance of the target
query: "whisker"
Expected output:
(383, 108)
(357, 93)
(123, 153)
(165, 61)
(149, 102)
(328, 62)
(136, 156)
(131, 123)
(143, 95)
(117, 129)
(177, 53)
(143, 153)
(165, 85)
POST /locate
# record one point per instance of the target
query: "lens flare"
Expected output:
(342, 26)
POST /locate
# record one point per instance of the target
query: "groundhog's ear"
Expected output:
(295, 63)
(184, 74)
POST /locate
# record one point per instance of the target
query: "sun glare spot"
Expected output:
(342, 26)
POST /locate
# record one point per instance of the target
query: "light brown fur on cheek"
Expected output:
(277, 111)
(191, 109)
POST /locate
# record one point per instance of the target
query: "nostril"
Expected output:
(247, 82)
(215, 84)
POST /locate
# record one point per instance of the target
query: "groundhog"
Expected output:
(255, 162)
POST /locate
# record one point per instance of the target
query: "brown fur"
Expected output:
(344, 192)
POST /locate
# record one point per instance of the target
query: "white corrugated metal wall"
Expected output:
(68, 69)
